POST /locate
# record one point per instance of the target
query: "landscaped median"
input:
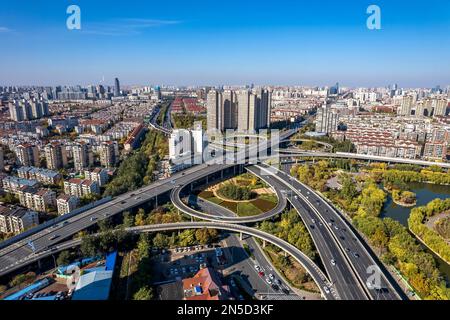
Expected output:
(245, 195)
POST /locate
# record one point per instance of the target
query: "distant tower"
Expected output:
(116, 88)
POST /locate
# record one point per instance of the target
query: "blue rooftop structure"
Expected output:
(93, 286)
(111, 261)
(30, 289)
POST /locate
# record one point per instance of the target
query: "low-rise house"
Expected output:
(66, 203)
(16, 220)
(98, 175)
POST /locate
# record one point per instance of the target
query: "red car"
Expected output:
(261, 274)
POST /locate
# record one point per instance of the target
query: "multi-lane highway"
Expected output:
(356, 253)
(17, 254)
(316, 274)
(345, 257)
(338, 270)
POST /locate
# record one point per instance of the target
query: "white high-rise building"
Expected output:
(186, 148)
(327, 119)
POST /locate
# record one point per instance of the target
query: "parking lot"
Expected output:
(183, 262)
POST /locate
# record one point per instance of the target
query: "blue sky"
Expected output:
(206, 42)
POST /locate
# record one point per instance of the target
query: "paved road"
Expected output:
(316, 274)
(175, 198)
(338, 270)
(243, 262)
(355, 251)
(345, 155)
(18, 254)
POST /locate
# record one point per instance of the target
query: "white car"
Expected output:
(333, 262)
(258, 268)
(268, 280)
(326, 289)
(271, 276)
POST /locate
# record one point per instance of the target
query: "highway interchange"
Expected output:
(345, 256)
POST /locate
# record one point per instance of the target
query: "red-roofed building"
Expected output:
(205, 285)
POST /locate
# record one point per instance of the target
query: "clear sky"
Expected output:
(207, 42)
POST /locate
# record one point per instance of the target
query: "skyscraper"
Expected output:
(116, 88)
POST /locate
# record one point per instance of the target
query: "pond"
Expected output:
(425, 193)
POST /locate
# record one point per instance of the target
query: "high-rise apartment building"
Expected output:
(27, 155)
(440, 107)
(327, 119)
(24, 110)
(214, 103)
(243, 110)
(406, 106)
(82, 155)
(109, 154)
(55, 155)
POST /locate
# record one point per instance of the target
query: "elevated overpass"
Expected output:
(316, 274)
(345, 155)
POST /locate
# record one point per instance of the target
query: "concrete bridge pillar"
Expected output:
(285, 253)
(241, 236)
(156, 201)
(264, 243)
(192, 219)
(221, 174)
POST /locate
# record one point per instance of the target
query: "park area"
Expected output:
(245, 195)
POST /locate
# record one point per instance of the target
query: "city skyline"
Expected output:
(202, 43)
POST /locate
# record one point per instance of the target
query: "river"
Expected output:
(425, 193)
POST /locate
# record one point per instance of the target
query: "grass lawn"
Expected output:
(263, 203)
(245, 209)
(257, 206)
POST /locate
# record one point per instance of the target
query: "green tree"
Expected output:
(64, 258)
(143, 246)
(160, 240)
(128, 220)
(144, 293)
(140, 218)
